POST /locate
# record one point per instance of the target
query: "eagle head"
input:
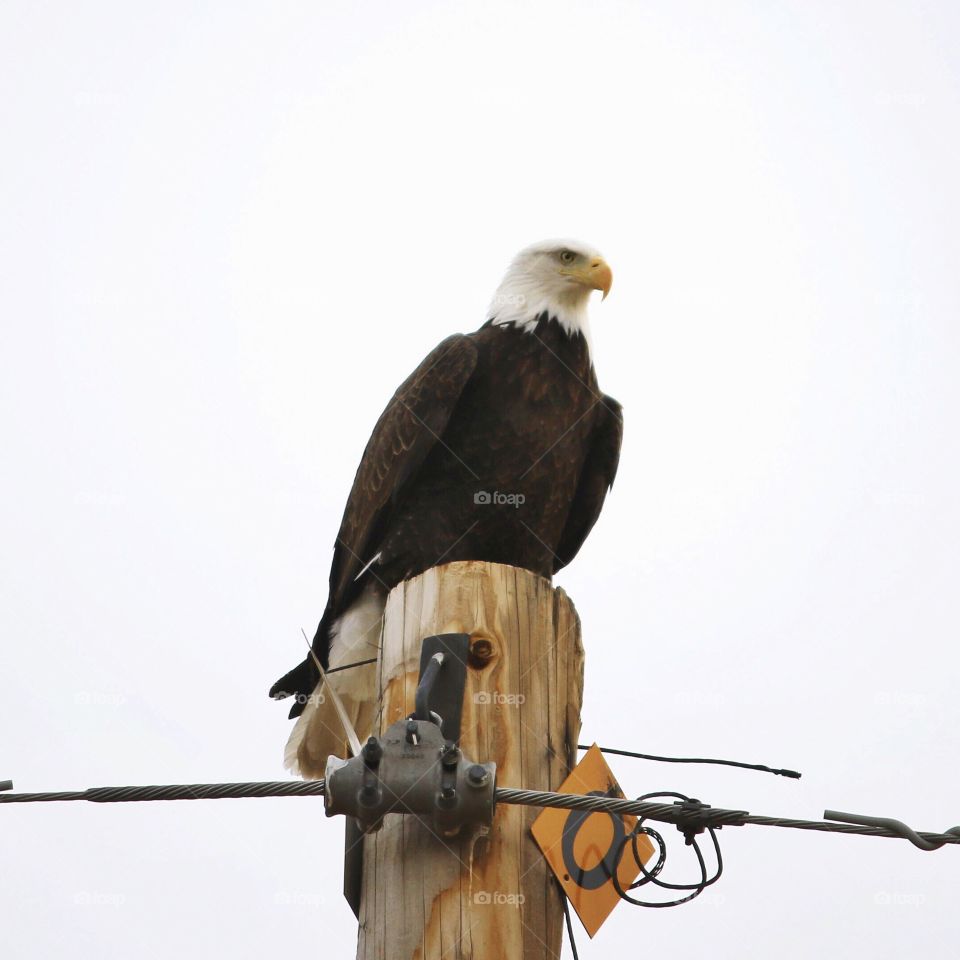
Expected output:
(555, 277)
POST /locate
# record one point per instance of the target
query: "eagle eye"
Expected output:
(567, 256)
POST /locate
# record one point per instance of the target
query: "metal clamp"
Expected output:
(694, 816)
(411, 769)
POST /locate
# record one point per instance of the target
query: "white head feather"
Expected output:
(555, 277)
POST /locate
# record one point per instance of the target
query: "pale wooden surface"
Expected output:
(423, 899)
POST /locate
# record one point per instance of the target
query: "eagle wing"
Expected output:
(596, 478)
(407, 430)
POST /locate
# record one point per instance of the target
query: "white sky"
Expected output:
(229, 230)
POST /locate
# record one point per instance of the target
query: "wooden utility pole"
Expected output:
(487, 897)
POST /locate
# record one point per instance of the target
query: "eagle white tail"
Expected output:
(318, 732)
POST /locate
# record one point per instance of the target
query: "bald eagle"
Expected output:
(499, 447)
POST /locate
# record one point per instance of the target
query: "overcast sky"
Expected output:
(228, 231)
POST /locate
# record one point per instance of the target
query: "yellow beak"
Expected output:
(596, 276)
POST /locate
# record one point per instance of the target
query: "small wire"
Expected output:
(648, 875)
(697, 888)
(566, 916)
(356, 663)
(651, 876)
(792, 774)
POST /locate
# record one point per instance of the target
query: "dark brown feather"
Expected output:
(499, 447)
(596, 478)
(408, 428)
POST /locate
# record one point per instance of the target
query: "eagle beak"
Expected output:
(597, 276)
(601, 276)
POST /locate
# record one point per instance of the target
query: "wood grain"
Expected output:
(488, 896)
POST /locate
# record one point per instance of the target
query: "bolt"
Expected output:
(450, 756)
(477, 775)
(372, 752)
(448, 796)
(412, 732)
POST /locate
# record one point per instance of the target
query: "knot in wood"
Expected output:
(482, 652)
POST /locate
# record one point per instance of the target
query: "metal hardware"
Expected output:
(353, 864)
(443, 679)
(888, 823)
(416, 771)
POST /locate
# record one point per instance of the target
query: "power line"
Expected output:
(718, 817)
(691, 813)
(181, 791)
(690, 816)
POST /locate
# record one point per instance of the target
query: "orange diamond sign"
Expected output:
(580, 845)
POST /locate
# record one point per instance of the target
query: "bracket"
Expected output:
(353, 864)
(444, 690)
